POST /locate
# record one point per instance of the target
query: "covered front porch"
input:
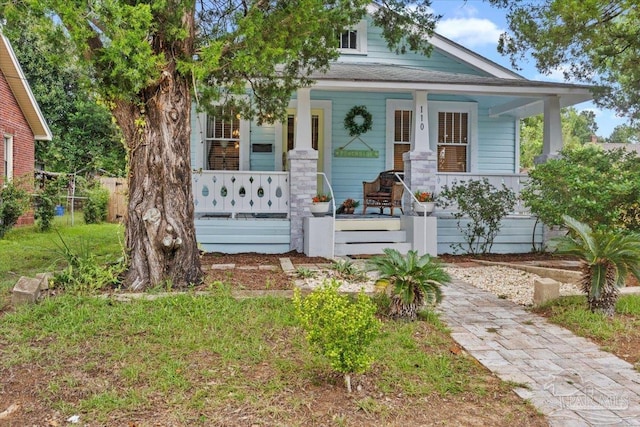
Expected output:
(438, 131)
(248, 211)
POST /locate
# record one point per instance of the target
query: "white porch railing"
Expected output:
(240, 192)
(514, 181)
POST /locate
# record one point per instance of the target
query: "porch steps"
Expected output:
(371, 224)
(370, 236)
(366, 236)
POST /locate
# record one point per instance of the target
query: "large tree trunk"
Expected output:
(160, 231)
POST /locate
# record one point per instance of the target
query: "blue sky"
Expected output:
(477, 26)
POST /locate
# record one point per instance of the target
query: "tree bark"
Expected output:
(160, 230)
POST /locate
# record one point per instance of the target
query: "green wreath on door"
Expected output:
(354, 127)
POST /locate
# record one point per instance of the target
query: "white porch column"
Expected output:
(420, 165)
(302, 163)
(552, 130)
(421, 122)
(303, 125)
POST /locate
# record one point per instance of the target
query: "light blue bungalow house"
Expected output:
(441, 119)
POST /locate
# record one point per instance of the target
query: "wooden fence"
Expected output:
(118, 191)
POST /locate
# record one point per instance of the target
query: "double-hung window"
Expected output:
(354, 40)
(222, 142)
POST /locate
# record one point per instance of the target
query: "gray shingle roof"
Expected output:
(372, 72)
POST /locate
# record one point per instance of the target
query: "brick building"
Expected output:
(21, 121)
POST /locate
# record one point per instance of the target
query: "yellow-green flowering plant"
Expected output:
(338, 327)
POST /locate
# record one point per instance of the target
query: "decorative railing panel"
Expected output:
(513, 181)
(239, 192)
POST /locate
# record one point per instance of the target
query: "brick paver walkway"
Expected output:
(567, 377)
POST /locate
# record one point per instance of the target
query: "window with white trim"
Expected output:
(401, 136)
(354, 40)
(453, 141)
(222, 141)
(7, 157)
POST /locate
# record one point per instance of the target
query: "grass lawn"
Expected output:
(25, 252)
(214, 360)
(190, 360)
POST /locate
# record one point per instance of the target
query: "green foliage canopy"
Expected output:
(593, 41)
(625, 134)
(271, 46)
(84, 135)
(596, 187)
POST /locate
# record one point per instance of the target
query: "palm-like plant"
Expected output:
(413, 281)
(608, 257)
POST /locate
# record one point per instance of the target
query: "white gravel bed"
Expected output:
(345, 286)
(504, 282)
(509, 283)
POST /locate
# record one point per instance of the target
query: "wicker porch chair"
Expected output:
(384, 192)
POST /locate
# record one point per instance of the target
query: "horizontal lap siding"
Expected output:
(496, 146)
(196, 138)
(515, 235)
(243, 235)
(378, 52)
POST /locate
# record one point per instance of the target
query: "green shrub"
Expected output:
(597, 187)
(412, 281)
(14, 201)
(607, 255)
(96, 205)
(84, 274)
(338, 327)
(46, 199)
(484, 205)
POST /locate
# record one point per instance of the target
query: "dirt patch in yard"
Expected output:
(253, 271)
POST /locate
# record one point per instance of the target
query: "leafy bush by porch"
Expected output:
(484, 205)
(597, 187)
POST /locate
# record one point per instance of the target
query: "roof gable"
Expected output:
(461, 54)
(22, 92)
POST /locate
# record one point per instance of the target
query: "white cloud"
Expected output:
(470, 32)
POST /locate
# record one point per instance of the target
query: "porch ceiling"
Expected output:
(519, 97)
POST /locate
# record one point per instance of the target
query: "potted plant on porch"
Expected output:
(349, 206)
(426, 202)
(320, 204)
